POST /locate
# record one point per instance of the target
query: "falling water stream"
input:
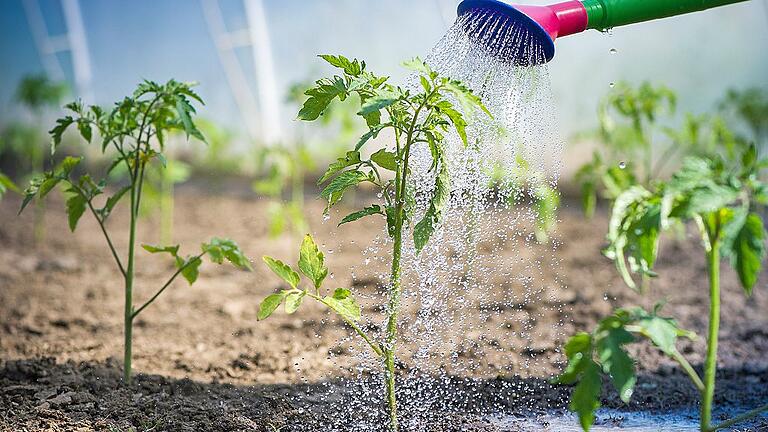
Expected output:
(482, 308)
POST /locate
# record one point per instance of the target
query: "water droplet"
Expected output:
(622, 164)
(326, 216)
(609, 30)
(612, 84)
(613, 51)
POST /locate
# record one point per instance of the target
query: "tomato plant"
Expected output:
(414, 117)
(721, 198)
(135, 129)
(24, 142)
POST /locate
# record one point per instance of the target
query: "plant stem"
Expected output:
(739, 418)
(710, 365)
(109, 239)
(166, 204)
(166, 284)
(129, 272)
(689, 370)
(393, 306)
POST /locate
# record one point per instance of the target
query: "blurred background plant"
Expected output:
(24, 143)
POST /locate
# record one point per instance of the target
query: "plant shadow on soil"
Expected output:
(41, 394)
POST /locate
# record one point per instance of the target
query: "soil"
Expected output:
(202, 362)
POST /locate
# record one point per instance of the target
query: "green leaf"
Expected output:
(283, 270)
(343, 304)
(85, 129)
(663, 332)
(585, 399)
(61, 126)
(371, 210)
(320, 97)
(75, 208)
(380, 100)
(351, 158)
(353, 68)
(293, 301)
(371, 134)
(312, 262)
(269, 304)
(578, 349)
(220, 249)
(335, 189)
(112, 202)
(467, 99)
(456, 118)
(173, 250)
(190, 267)
(427, 225)
(385, 159)
(745, 246)
(418, 65)
(615, 360)
(184, 109)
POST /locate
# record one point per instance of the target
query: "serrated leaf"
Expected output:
(578, 350)
(75, 208)
(350, 67)
(585, 399)
(190, 267)
(283, 270)
(379, 101)
(61, 126)
(343, 304)
(293, 301)
(427, 225)
(312, 261)
(745, 246)
(457, 119)
(85, 129)
(351, 158)
(370, 210)
(385, 159)
(371, 134)
(269, 304)
(335, 189)
(615, 360)
(112, 201)
(220, 249)
(173, 249)
(320, 97)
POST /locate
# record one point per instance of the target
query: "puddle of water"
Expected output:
(611, 420)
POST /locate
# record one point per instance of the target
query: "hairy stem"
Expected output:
(710, 363)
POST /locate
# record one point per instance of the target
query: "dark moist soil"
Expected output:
(202, 362)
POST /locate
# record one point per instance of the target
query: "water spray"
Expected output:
(490, 21)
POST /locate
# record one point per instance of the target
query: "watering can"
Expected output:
(544, 24)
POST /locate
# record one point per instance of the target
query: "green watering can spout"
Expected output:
(489, 22)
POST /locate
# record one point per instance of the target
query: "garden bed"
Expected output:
(203, 362)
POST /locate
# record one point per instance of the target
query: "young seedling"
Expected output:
(135, 128)
(414, 116)
(628, 120)
(721, 199)
(38, 94)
